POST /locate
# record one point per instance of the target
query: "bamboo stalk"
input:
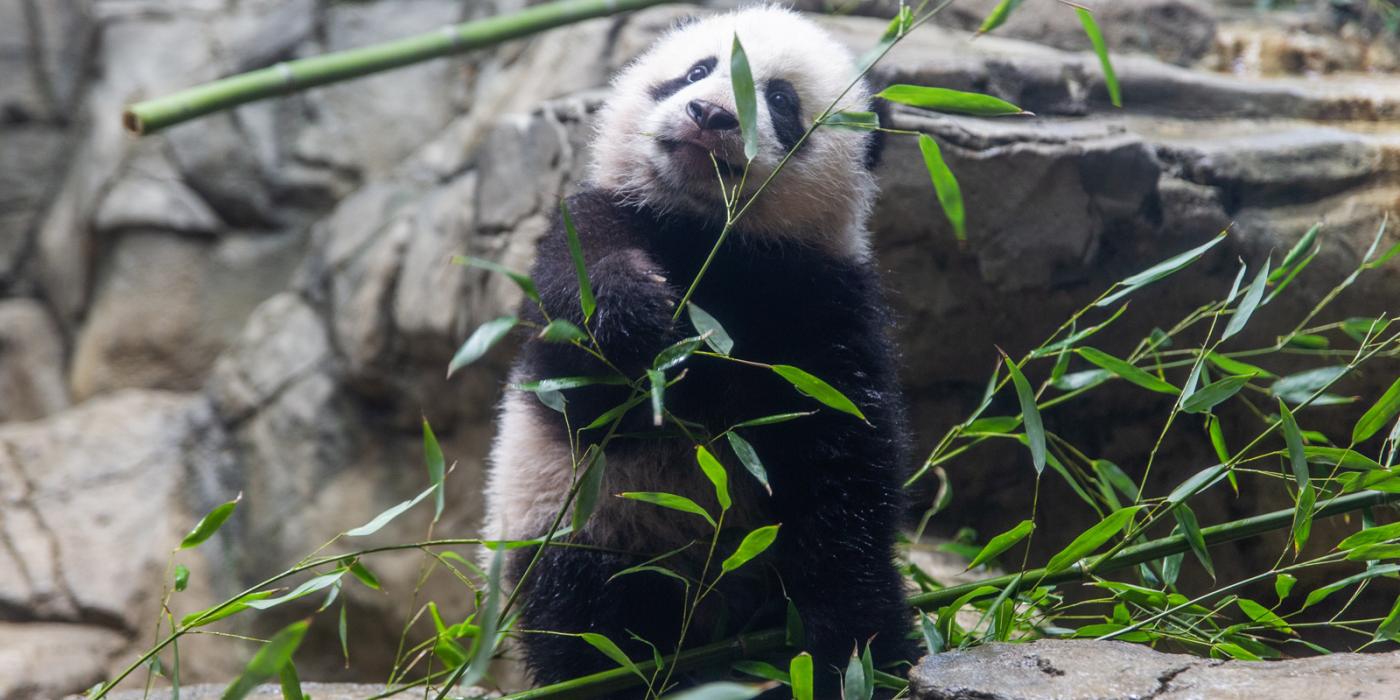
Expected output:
(291, 76)
(760, 643)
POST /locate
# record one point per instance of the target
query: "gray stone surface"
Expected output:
(31, 351)
(319, 691)
(1092, 670)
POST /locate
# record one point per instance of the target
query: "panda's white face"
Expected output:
(673, 109)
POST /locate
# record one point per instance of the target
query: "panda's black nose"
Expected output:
(710, 116)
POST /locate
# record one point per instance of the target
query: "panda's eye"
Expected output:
(698, 73)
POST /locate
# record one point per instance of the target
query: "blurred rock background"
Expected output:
(260, 301)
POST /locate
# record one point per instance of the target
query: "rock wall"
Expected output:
(261, 301)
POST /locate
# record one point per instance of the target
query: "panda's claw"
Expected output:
(656, 278)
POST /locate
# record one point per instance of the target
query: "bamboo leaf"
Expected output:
(1113, 474)
(585, 289)
(611, 414)
(764, 670)
(669, 500)
(945, 184)
(384, 518)
(562, 383)
(291, 685)
(677, 353)
(1297, 388)
(484, 645)
(362, 573)
(863, 121)
(1375, 418)
(773, 419)
(1302, 517)
(562, 331)
(745, 98)
(1160, 271)
(998, 15)
(1191, 528)
(800, 669)
(589, 489)
(611, 650)
(857, 684)
(1283, 585)
(933, 640)
(1321, 594)
(1030, 415)
(182, 577)
(754, 544)
(1082, 380)
(657, 379)
(1297, 253)
(1371, 535)
(1344, 458)
(481, 340)
(210, 523)
(946, 100)
(1294, 439)
(1232, 366)
(1090, 540)
(305, 589)
(718, 339)
(722, 690)
(715, 472)
(1003, 542)
(1215, 393)
(1126, 371)
(219, 612)
(269, 660)
(1374, 552)
(1110, 78)
(749, 458)
(895, 29)
(524, 282)
(1390, 626)
(1197, 483)
(811, 386)
(437, 468)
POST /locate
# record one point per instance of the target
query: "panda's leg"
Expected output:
(836, 557)
(569, 591)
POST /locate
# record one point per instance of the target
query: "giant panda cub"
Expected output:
(794, 284)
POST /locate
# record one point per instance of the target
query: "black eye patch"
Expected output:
(785, 109)
(661, 91)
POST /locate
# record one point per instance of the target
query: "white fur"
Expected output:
(824, 192)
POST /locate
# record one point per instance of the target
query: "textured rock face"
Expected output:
(1085, 670)
(285, 268)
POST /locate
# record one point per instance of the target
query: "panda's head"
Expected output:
(672, 118)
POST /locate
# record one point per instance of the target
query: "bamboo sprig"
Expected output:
(759, 643)
(287, 77)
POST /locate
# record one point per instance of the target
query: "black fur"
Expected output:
(836, 481)
(785, 108)
(663, 90)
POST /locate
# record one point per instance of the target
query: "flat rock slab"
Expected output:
(316, 691)
(1089, 670)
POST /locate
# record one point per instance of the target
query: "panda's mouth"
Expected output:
(699, 158)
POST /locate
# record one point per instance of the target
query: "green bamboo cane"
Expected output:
(291, 76)
(767, 641)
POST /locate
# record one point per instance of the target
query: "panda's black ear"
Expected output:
(875, 146)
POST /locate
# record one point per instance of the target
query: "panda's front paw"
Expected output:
(632, 279)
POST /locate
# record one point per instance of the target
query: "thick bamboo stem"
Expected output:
(760, 643)
(291, 76)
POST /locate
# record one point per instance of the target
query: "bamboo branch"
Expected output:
(759, 643)
(292, 76)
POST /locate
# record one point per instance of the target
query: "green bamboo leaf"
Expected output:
(488, 611)
(945, 100)
(1073, 338)
(800, 669)
(524, 282)
(1248, 304)
(715, 472)
(677, 353)
(221, 611)
(305, 589)
(669, 500)
(722, 690)
(364, 575)
(1082, 380)
(589, 489)
(1374, 552)
(1303, 517)
(1297, 388)
(1344, 458)
(1217, 438)
(773, 419)
(1383, 259)
(933, 640)
(718, 339)
(764, 670)
(1294, 439)
(794, 632)
(657, 379)
(1030, 415)
(1215, 393)
(1003, 542)
(1090, 540)
(182, 577)
(754, 544)
(1126, 371)
(210, 523)
(562, 331)
(994, 425)
(1160, 271)
(862, 121)
(562, 383)
(1110, 79)
(1299, 252)
(1232, 366)
(481, 340)
(857, 684)
(384, 518)
(585, 289)
(810, 385)
(745, 98)
(1359, 329)
(945, 184)
(612, 651)
(998, 15)
(611, 414)
(1283, 585)
(269, 660)
(1321, 594)
(1371, 535)
(1376, 417)
(1197, 483)
(437, 468)
(1191, 528)
(749, 458)
(1390, 626)
(291, 684)
(895, 29)
(1308, 341)
(1114, 475)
